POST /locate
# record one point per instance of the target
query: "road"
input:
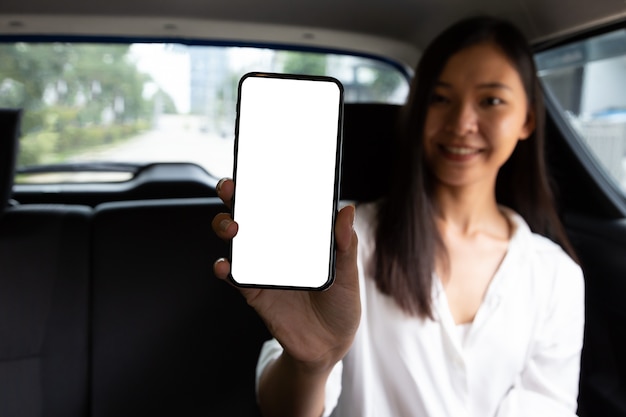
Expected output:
(175, 138)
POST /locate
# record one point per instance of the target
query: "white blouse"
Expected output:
(519, 357)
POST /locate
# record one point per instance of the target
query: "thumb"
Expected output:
(344, 231)
(346, 242)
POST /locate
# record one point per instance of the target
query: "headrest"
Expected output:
(9, 134)
(369, 138)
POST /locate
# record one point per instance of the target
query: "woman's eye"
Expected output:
(493, 101)
(438, 98)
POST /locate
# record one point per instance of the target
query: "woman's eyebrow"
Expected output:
(494, 85)
(487, 85)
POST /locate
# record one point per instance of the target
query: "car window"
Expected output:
(94, 111)
(588, 80)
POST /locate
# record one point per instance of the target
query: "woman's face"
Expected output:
(478, 112)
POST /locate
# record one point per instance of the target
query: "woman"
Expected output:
(451, 303)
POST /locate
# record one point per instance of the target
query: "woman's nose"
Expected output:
(462, 119)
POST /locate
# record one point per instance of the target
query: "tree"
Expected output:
(92, 78)
(304, 63)
(74, 95)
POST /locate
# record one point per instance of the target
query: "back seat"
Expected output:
(44, 276)
(168, 337)
(121, 314)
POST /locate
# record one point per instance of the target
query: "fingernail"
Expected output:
(224, 224)
(218, 187)
(353, 214)
(217, 262)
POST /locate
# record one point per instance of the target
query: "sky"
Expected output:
(169, 69)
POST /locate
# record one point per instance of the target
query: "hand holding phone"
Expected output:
(316, 327)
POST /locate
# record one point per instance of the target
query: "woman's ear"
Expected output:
(529, 125)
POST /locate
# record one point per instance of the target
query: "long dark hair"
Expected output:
(407, 238)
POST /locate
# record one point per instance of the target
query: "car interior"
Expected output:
(109, 306)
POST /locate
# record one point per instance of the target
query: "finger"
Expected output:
(344, 230)
(221, 268)
(224, 226)
(225, 189)
(346, 240)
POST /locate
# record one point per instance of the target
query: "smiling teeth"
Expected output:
(460, 151)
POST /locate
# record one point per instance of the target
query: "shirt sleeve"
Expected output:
(271, 350)
(548, 385)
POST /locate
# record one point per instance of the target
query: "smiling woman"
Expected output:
(451, 303)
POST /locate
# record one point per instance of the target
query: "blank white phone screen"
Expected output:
(288, 148)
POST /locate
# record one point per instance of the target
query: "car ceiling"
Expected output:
(398, 29)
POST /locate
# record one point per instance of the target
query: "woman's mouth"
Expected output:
(457, 150)
(459, 153)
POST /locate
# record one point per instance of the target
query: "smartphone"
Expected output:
(287, 169)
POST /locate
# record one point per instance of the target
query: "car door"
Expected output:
(585, 83)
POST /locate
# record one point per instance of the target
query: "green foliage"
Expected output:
(385, 82)
(49, 147)
(304, 63)
(74, 96)
(165, 102)
(35, 147)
